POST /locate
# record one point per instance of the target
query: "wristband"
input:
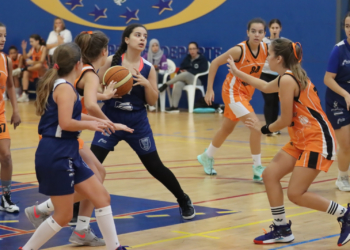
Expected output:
(265, 130)
(24, 69)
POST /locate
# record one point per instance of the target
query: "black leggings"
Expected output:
(271, 107)
(153, 165)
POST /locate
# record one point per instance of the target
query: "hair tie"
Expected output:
(295, 51)
(55, 66)
(86, 32)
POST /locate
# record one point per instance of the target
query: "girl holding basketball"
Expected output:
(6, 82)
(130, 109)
(311, 148)
(249, 56)
(60, 170)
(93, 47)
(36, 66)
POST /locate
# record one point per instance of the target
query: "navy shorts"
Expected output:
(59, 166)
(336, 110)
(141, 141)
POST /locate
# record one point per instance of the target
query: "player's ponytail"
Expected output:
(292, 55)
(36, 37)
(123, 46)
(65, 58)
(91, 45)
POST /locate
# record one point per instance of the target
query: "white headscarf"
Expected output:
(154, 58)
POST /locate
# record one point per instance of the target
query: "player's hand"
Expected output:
(253, 123)
(109, 90)
(24, 45)
(140, 79)
(15, 120)
(347, 100)
(29, 62)
(110, 126)
(231, 65)
(16, 72)
(119, 126)
(209, 96)
(97, 126)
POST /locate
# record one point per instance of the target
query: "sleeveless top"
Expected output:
(49, 126)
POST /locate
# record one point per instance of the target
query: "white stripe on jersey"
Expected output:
(146, 62)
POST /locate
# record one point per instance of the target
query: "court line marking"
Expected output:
(191, 234)
(217, 230)
(305, 242)
(157, 215)
(8, 221)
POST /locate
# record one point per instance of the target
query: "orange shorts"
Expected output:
(234, 110)
(307, 158)
(81, 142)
(4, 130)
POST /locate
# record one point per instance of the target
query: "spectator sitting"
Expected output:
(58, 36)
(36, 66)
(156, 56)
(17, 63)
(193, 64)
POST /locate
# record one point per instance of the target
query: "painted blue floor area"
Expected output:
(120, 205)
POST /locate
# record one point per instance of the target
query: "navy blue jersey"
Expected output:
(48, 125)
(339, 62)
(136, 99)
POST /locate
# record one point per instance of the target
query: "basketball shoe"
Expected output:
(186, 207)
(86, 237)
(7, 204)
(207, 163)
(257, 177)
(345, 228)
(278, 234)
(35, 216)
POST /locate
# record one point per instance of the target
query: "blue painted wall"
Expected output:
(310, 22)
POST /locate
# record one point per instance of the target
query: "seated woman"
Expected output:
(17, 63)
(36, 66)
(194, 63)
(156, 56)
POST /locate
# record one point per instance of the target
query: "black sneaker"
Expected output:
(74, 220)
(163, 87)
(172, 110)
(7, 204)
(186, 208)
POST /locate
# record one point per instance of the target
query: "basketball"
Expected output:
(122, 77)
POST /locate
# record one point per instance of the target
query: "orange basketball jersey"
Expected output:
(310, 128)
(3, 80)
(86, 68)
(36, 55)
(250, 64)
(15, 63)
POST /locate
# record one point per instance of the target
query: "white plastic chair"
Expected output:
(171, 69)
(191, 89)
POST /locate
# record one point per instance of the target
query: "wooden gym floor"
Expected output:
(232, 210)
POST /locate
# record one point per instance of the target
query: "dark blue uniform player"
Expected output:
(60, 170)
(337, 79)
(130, 110)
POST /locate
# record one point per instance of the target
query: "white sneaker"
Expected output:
(7, 204)
(24, 98)
(4, 97)
(151, 108)
(343, 183)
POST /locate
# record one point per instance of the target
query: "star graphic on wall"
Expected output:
(98, 13)
(75, 3)
(163, 5)
(130, 15)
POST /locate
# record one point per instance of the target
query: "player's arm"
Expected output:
(15, 119)
(287, 90)
(20, 64)
(266, 87)
(150, 85)
(103, 69)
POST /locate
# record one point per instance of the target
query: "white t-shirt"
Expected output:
(67, 38)
(266, 68)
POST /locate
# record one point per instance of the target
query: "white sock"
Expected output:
(45, 231)
(105, 222)
(83, 223)
(336, 209)
(256, 160)
(211, 150)
(342, 174)
(279, 215)
(18, 91)
(46, 207)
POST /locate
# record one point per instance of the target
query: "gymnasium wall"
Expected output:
(216, 25)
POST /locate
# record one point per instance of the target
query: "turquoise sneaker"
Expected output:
(257, 177)
(207, 162)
